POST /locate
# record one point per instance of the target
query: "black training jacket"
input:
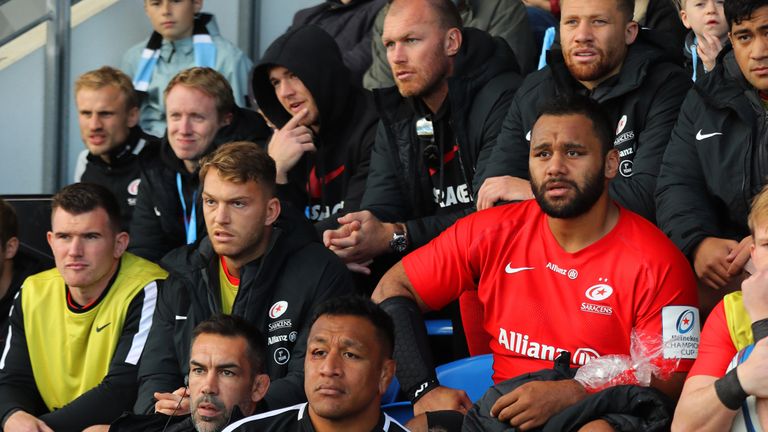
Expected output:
(479, 92)
(121, 176)
(708, 176)
(157, 226)
(296, 270)
(643, 100)
(348, 120)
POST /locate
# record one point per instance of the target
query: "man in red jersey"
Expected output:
(570, 271)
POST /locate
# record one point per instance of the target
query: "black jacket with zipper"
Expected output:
(399, 188)
(296, 269)
(716, 159)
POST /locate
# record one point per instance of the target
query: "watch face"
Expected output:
(399, 243)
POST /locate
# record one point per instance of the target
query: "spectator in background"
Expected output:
(201, 115)
(108, 113)
(459, 82)
(715, 162)
(629, 71)
(348, 368)
(504, 18)
(260, 261)
(708, 33)
(350, 23)
(326, 125)
(182, 38)
(77, 332)
(15, 267)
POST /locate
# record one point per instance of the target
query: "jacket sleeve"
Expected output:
(117, 391)
(509, 20)
(637, 192)
(383, 195)
(334, 281)
(357, 183)
(159, 370)
(510, 154)
(684, 208)
(18, 390)
(379, 75)
(147, 236)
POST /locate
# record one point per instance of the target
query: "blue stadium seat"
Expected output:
(471, 374)
(439, 327)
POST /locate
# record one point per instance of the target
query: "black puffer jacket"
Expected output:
(277, 294)
(347, 124)
(350, 25)
(716, 161)
(157, 226)
(643, 100)
(479, 92)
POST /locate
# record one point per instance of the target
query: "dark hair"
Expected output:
(737, 11)
(240, 162)
(563, 105)
(234, 326)
(448, 15)
(9, 225)
(79, 198)
(626, 7)
(361, 307)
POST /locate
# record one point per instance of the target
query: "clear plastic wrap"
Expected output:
(646, 359)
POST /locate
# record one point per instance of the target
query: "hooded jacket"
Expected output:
(350, 25)
(716, 159)
(277, 293)
(643, 100)
(332, 180)
(479, 92)
(122, 174)
(157, 226)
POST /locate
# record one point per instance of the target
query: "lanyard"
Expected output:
(190, 223)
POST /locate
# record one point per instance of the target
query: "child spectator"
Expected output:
(709, 31)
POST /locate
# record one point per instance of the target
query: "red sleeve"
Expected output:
(716, 349)
(668, 305)
(442, 269)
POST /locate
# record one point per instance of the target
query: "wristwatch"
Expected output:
(399, 242)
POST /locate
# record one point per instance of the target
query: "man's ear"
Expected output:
(11, 248)
(273, 211)
(453, 40)
(227, 120)
(611, 163)
(630, 33)
(387, 373)
(259, 388)
(121, 243)
(133, 117)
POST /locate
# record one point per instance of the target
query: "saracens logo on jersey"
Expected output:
(598, 293)
(278, 309)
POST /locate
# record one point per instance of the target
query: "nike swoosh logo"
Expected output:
(510, 270)
(98, 329)
(180, 318)
(157, 212)
(528, 136)
(700, 136)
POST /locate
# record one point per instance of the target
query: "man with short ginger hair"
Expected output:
(202, 115)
